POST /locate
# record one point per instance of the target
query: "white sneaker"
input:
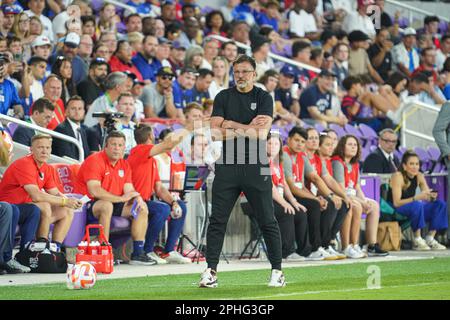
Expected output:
(333, 252)
(357, 248)
(157, 258)
(434, 245)
(208, 279)
(277, 279)
(316, 256)
(294, 257)
(351, 253)
(15, 265)
(420, 245)
(177, 258)
(326, 255)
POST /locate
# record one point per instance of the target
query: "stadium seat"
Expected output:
(66, 176)
(338, 129)
(177, 126)
(435, 157)
(158, 128)
(78, 226)
(353, 131)
(319, 127)
(12, 126)
(424, 158)
(368, 135)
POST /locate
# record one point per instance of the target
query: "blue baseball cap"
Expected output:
(11, 9)
(288, 70)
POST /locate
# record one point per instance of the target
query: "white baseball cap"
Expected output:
(409, 32)
(41, 41)
(72, 39)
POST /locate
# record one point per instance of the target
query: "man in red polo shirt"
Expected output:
(106, 178)
(24, 182)
(146, 180)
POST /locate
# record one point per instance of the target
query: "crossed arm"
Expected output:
(222, 129)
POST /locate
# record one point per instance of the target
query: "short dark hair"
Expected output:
(41, 104)
(142, 133)
(298, 130)
(202, 73)
(225, 44)
(299, 46)
(425, 51)
(131, 16)
(420, 77)
(430, 19)
(114, 134)
(86, 19)
(350, 81)
(74, 98)
(244, 58)
(164, 134)
(269, 73)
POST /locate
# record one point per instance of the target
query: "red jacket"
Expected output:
(118, 65)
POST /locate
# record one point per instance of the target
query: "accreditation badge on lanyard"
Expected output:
(280, 188)
(351, 191)
(297, 173)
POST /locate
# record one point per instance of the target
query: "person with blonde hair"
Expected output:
(221, 70)
(194, 57)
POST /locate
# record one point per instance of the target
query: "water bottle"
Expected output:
(262, 252)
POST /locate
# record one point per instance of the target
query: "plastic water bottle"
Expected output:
(262, 252)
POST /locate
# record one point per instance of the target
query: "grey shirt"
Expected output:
(101, 104)
(151, 97)
(338, 171)
(287, 167)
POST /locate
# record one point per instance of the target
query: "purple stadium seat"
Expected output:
(368, 135)
(177, 126)
(364, 153)
(158, 128)
(373, 148)
(319, 127)
(424, 158)
(353, 131)
(289, 127)
(435, 157)
(339, 130)
(12, 127)
(78, 226)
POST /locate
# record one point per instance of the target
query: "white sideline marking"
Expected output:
(337, 291)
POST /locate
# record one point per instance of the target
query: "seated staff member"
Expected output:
(298, 171)
(325, 151)
(24, 182)
(420, 208)
(341, 199)
(147, 182)
(106, 178)
(346, 171)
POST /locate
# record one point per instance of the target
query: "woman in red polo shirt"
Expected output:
(346, 171)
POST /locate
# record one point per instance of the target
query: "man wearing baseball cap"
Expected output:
(91, 88)
(158, 97)
(405, 56)
(359, 20)
(9, 13)
(177, 55)
(286, 92)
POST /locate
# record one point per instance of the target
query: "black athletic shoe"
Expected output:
(374, 250)
(2, 271)
(142, 260)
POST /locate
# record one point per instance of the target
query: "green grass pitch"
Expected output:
(414, 279)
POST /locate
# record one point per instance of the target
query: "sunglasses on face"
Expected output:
(167, 77)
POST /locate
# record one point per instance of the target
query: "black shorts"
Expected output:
(117, 209)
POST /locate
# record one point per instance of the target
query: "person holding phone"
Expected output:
(419, 208)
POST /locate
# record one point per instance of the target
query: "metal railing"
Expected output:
(412, 109)
(412, 10)
(272, 55)
(47, 131)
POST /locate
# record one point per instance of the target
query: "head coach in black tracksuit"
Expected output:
(242, 118)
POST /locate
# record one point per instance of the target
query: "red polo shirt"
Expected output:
(98, 167)
(22, 172)
(145, 171)
(117, 65)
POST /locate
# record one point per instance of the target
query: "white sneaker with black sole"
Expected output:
(154, 256)
(208, 279)
(294, 257)
(277, 279)
(142, 260)
(13, 264)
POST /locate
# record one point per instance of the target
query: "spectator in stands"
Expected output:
(200, 91)
(173, 32)
(126, 105)
(192, 34)
(270, 16)
(428, 62)
(380, 53)
(316, 61)
(21, 29)
(346, 171)
(302, 23)
(228, 9)
(10, 102)
(144, 60)
(230, 51)
(92, 88)
(288, 93)
(260, 49)
(25, 181)
(431, 28)
(359, 19)
(421, 208)
(211, 50)
(182, 89)
(133, 23)
(52, 92)
(199, 146)
(315, 102)
(162, 53)
(115, 85)
(101, 51)
(279, 45)
(168, 12)
(158, 98)
(298, 171)
(421, 88)
(36, 8)
(221, 70)
(333, 135)
(328, 40)
(404, 55)
(110, 39)
(85, 51)
(89, 26)
(122, 59)
(194, 57)
(443, 53)
(177, 56)
(338, 202)
(383, 160)
(215, 23)
(240, 32)
(158, 28)
(301, 52)
(72, 127)
(42, 113)
(341, 53)
(38, 67)
(63, 69)
(359, 63)
(107, 179)
(108, 18)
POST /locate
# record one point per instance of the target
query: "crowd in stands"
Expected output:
(63, 63)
